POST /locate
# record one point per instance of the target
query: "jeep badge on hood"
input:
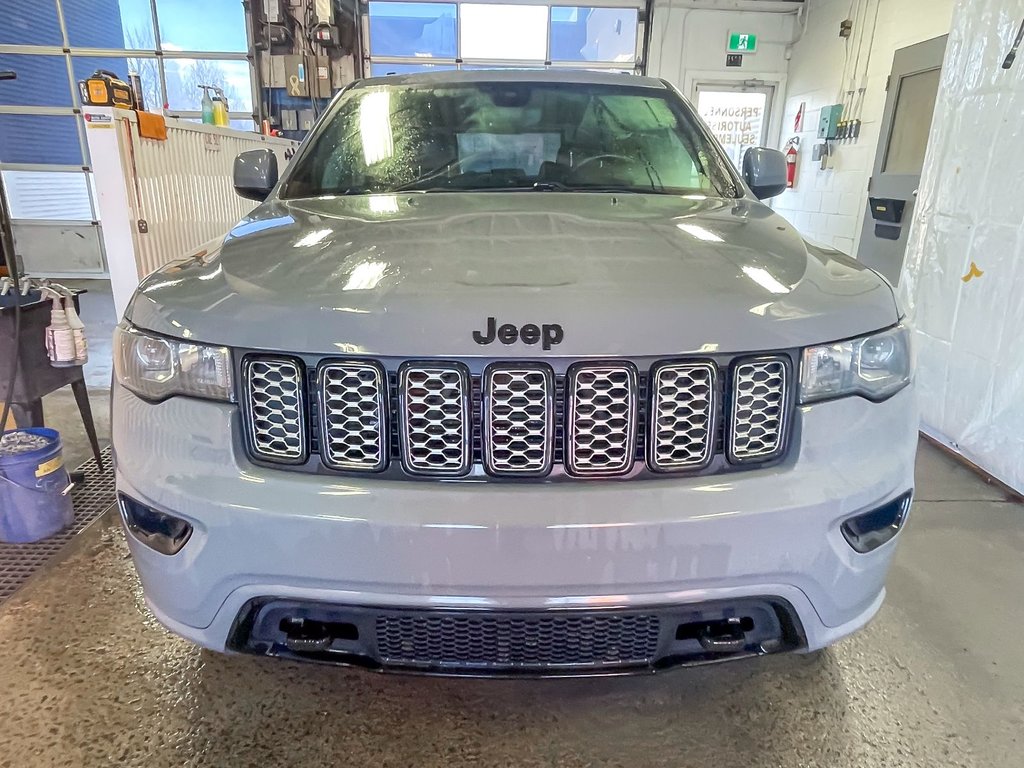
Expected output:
(507, 333)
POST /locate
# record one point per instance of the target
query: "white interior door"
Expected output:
(738, 113)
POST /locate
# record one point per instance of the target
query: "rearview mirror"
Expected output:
(255, 173)
(764, 170)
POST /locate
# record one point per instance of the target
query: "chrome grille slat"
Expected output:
(760, 395)
(436, 429)
(601, 422)
(275, 404)
(353, 415)
(682, 418)
(518, 419)
(436, 418)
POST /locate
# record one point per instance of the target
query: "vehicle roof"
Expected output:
(580, 76)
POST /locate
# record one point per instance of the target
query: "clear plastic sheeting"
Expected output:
(963, 278)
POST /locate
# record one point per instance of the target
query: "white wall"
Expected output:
(828, 206)
(688, 45)
(970, 376)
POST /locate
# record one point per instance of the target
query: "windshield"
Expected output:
(509, 136)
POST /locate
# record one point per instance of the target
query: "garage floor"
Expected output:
(88, 678)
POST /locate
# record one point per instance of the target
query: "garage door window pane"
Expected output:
(412, 29)
(48, 195)
(109, 23)
(45, 139)
(202, 25)
(85, 66)
(184, 76)
(503, 31)
(593, 34)
(378, 69)
(42, 81)
(29, 23)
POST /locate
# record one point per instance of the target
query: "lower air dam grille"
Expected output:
(530, 642)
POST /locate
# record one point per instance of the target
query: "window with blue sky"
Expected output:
(408, 36)
(54, 44)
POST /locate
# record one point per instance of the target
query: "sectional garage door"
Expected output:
(405, 37)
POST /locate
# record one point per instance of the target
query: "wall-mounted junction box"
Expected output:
(830, 117)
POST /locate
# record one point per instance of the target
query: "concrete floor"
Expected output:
(90, 679)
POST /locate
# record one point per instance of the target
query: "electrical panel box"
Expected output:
(320, 78)
(273, 71)
(295, 75)
(828, 126)
(298, 75)
(274, 10)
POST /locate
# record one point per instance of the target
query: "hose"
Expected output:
(7, 247)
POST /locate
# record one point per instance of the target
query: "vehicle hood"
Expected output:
(416, 274)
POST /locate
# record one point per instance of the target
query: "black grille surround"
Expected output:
(395, 466)
(513, 643)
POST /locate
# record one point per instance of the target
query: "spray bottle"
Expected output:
(208, 113)
(60, 339)
(77, 329)
(220, 108)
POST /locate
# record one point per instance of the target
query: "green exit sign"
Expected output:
(742, 42)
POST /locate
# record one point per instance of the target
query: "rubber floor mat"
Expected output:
(19, 562)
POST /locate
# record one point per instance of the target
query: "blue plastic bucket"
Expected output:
(34, 502)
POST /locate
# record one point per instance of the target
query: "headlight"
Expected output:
(156, 368)
(875, 366)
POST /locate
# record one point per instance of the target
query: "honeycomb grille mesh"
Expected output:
(276, 408)
(518, 429)
(518, 642)
(758, 409)
(683, 415)
(602, 419)
(353, 421)
(517, 418)
(436, 428)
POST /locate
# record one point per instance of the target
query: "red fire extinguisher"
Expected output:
(791, 163)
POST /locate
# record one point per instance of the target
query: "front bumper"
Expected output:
(264, 534)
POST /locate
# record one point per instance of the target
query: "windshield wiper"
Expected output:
(558, 186)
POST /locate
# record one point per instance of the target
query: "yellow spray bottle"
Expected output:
(220, 108)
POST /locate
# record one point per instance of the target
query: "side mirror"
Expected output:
(764, 170)
(255, 173)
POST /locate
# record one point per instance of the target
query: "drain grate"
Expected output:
(18, 562)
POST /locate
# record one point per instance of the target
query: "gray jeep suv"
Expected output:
(513, 373)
